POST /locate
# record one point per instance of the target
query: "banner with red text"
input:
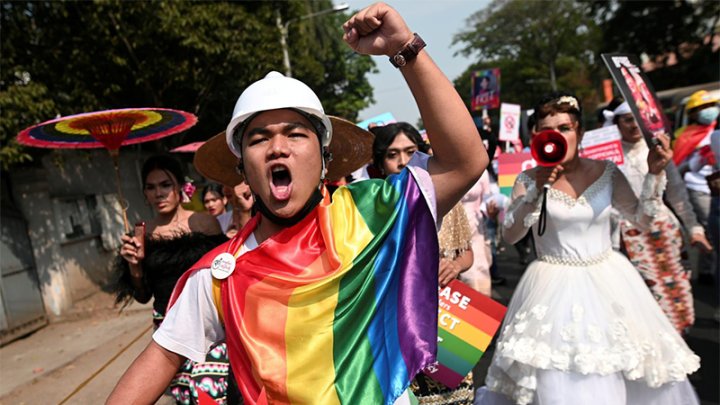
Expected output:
(467, 323)
(603, 144)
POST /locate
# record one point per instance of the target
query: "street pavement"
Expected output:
(79, 360)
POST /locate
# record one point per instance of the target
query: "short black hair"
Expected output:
(549, 105)
(165, 163)
(212, 188)
(385, 135)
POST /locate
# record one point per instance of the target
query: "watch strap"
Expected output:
(408, 52)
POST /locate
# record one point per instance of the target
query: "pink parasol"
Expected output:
(188, 148)
(109, 129)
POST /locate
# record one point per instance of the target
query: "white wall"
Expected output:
(72, 269)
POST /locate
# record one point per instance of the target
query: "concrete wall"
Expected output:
(72, 268)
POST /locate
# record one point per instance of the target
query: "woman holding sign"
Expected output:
(656, 251)
(582, 327)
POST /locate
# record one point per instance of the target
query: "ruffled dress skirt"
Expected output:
(587, 332)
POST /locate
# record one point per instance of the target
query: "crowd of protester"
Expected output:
(598, 316)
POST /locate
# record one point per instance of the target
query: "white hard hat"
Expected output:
(274, 92)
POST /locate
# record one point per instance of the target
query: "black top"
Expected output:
(165, 261)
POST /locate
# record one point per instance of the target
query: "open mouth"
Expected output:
(281, 184)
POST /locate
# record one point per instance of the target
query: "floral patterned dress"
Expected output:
(656, 252)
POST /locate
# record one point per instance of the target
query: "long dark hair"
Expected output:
(165, 163)
(385, 135)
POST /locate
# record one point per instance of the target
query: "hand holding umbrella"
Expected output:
(109, 129)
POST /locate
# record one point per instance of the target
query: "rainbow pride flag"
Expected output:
(341, 308)
(510, 165)
(467, 323)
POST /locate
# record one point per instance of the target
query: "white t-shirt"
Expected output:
(225, 220)
(192, 325)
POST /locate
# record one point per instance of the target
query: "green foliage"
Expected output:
(21, 102)
(62, 58)
(540, 45)
(321, 59)
(655, 27)
(659, 29)
(534, 34)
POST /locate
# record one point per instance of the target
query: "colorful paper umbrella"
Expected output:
(109, 129)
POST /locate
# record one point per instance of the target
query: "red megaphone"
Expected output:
(548, 147)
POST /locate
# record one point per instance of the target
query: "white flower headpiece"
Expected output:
(569, 100)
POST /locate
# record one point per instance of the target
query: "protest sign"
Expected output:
(509, 166)
(378, 120)
(603, 144)
(638, 92)
(485, 89)
(467, 322)
(509, 122)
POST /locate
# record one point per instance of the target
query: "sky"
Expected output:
(436, 22)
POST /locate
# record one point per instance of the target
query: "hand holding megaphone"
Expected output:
(548, 148)
(546, 176)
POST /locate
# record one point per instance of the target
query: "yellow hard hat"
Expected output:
(699, 98)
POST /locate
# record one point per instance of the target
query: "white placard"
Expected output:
(509, 122)
(603, 144)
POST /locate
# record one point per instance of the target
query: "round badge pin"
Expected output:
(222, 266)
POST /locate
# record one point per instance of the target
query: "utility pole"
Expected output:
(283, 28)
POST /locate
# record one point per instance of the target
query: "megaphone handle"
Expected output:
(542, 221)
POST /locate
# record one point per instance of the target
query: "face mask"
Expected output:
(708, 115)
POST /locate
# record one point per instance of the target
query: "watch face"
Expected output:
(399, 60)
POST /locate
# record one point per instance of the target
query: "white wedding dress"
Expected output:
(582, 326)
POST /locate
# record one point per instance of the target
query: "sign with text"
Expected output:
(509, 122)
(638, 92)
(603, 144)
(509, 166)
(485, 89)
(467, 322)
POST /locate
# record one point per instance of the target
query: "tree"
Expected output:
(538, 46)
(322, 60)
(535, 33)
(660, 30)
(655, 28)
(62, 58)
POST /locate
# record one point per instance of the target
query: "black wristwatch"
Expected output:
(409, 52)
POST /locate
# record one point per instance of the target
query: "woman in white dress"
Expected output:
(582, 327)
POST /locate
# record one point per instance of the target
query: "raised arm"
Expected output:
(642, 210)
(459, 157)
